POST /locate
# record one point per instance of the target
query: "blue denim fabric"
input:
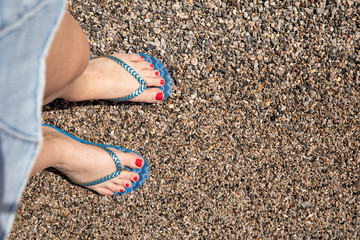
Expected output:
(27, 28)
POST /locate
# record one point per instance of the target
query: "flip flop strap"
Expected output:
(134, 74)
(119, 168)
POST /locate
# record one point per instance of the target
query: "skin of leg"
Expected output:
(67, 59)
(49, 154)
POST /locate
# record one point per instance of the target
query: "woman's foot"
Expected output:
(106, 79)
(85, 163)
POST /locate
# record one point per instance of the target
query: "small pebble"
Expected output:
(194, 61)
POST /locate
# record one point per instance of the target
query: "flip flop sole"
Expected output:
(143, 172)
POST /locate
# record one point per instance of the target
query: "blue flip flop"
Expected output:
(166, 88)
(143, 172)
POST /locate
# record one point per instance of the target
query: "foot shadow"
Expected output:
(57, 172)
(61, 104)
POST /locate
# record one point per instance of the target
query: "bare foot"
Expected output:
(106, 79)
(85, 163)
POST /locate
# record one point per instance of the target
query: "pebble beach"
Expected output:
(259, 140)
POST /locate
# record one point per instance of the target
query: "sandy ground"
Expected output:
(259, 141)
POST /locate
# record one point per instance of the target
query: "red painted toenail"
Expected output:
(142, 58)
(136, 178)
(127, 185)
(121, 190)
(159, 96)
(157, 73)
(152, 66)
(162, 81)
(139, 162)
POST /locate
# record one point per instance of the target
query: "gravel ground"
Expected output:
(260, 140)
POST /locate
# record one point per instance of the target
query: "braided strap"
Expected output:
(119, 168)
(134, 74)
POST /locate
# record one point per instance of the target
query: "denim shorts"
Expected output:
(27, 28)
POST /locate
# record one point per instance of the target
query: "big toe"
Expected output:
(130, 160)
(150, 95)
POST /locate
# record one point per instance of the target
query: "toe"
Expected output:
(125, 183)
(135, 162)
(105, 191)
(156, 73)
(118, 184)
(145, 66)
(130, 160)
(128, 184)
(150, 95)
(115, 187)
(129, 176)
(154, 81)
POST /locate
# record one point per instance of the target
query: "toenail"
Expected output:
(157, 73)
(136, 178)
(159, 96)
(127, 185)
(152, 66)
(121, 190)
(142, 58)
(162, 81)
(139, 162)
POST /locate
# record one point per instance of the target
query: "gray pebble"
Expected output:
(95, 28)
(305, 204)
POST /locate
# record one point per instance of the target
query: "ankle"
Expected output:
(50, 153)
